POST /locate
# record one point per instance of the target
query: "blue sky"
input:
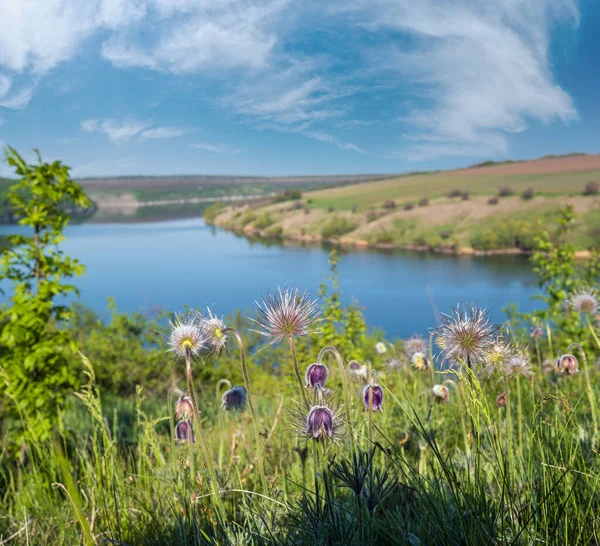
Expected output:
(283, 87)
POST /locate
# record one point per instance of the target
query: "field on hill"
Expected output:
(491, 208)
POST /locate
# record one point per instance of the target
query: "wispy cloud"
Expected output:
(483, 69)
(120, 131)
(216, 148)
(162, 132)
(17, 100)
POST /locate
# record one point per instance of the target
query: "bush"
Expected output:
(250, 216)
(591, 188)
(446, 234)
(371, 216)
(505, 191)
(276, 232)
(306, 210)
(288, 195)
(389, 204)
(408, 206)
(330, 209)
(354, 209)
(528, 194)
(455, 193)
(384, 238)
(493, 201)
(263, 221)
(511, 234)
(424, 202)
(465, 196)
(212, 211)
(336, 227)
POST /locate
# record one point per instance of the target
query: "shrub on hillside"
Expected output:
(423, 202)
(250, 216)
(465, 196)
(455, 193)
(446, 234)
(383, 238)
(505, 191)
(513, 234)
(288, 195)
(372, 215)
(336, 227)
(528, 194)
(263, 221)
(212, 211)
(408, 206)
(389, 204)
(493, 201)
(591, 188)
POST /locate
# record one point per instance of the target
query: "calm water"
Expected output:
(171, 264)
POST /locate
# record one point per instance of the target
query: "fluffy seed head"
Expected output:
(415, 344)
(380, 348)
(497, 355)
(585, 301)
(441, 393)
(184, 408)
(316, 376)
(375, 392)
(185, 338)
(567, 364)
(212, 330)
(184, 432)
(234, 398)
(519, 364)
(287, 312)
(420, 361)
(466, 335)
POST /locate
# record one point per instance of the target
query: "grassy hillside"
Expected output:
(495, 207)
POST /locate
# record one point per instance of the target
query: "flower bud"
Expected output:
(568, 364)
(234, 398)
(375, 393)
(184, 432)
(183, 408)
(440, 393)
(319, 422)
(316, 376)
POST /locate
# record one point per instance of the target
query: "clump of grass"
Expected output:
(528, 194)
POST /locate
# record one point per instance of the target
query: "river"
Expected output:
(167, 265)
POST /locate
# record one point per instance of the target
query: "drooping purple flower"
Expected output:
(234, 398)
(567, 364)
(184, 408)
(375, 392)
(501, 400)
(184, 431)
(316, 375)
(320, 423)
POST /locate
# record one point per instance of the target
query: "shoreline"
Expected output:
(349, 243)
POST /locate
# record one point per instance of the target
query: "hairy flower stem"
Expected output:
(297, 371)
(519, 416)
(370, 413)
(588, 383)
(508, 421)
(259, 457)
(215, 486)
(340, 362)
(594, 335)
(221, 418)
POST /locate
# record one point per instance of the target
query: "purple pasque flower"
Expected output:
(184, 408)
(373, 397)
(316, 375)
(184, 432)
(234, 398)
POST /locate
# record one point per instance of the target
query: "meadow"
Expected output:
(487, 208)
(298, 424)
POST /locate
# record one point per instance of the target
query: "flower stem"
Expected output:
(589, 323)
(588, 383)
(259, 457)
(220, 412)
(297, 371)
(215, 486)
(340, 362)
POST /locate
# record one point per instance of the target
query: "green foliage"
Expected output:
(288, 195)
(263, 221)
(337, 226)
(516, 233)
(383, 237)
(212, 211)
(35, 348)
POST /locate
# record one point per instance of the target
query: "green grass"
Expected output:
(412, 188)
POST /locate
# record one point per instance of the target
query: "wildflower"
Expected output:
(585, 301)
(537, 332)
(415, 344)
(466, 335)
(375, 393)
(286, 313)
(567, 364)
(393, 364)
(316, 375)
(357, 369)
(501, 400)
(212, 329)
(380, 348)
(420, 361)
(234, 398)
(184, 431)
(547, 366)
(497, 355)
(323, 422)
(185, 339)
(184, 408)
(441, 393)
(519, 364)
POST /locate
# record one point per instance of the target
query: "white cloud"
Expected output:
(216, 148)
(18, 100)
(5, 84)
(117, 131)
(482, 68)
(162, 132)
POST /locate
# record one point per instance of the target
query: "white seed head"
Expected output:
(185, 336)
(441, 393)
(420, 361)
(415, 344)
(380, 348)
(212, 330)
(519, 364)
(585, 301)
(286, 313)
